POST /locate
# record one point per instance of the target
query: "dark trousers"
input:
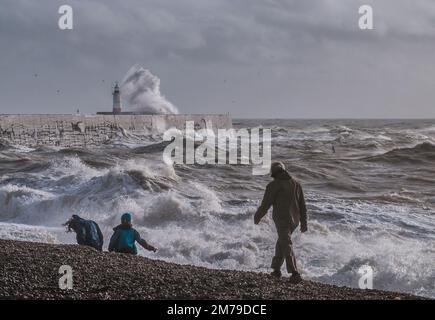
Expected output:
(284, 251)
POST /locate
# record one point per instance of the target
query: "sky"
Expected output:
(251, 58)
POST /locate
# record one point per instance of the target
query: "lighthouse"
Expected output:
(116, 99)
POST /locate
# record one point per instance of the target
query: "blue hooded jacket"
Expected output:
(125, 236)
(123, 240)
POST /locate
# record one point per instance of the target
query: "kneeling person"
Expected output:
(124, 238)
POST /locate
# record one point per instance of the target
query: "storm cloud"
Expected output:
(259, 58)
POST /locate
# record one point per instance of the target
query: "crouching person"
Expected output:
(125, 236)
(88, 232)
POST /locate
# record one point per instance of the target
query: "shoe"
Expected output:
(276, 273)
(295, 278)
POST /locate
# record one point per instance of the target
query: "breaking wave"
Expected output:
(140, 89)
(424, 152)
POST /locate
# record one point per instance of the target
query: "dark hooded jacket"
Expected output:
(287, 198)
(88, 233)
(124, 240)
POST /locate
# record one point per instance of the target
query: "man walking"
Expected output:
(287, 198)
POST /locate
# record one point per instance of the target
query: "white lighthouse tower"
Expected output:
(116, 99)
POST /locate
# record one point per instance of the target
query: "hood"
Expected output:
(282, 175)
(77, 218)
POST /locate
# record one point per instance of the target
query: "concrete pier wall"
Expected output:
(92, 130)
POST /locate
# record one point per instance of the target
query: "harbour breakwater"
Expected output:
(84, 131)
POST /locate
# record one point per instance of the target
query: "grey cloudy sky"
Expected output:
(252, 58)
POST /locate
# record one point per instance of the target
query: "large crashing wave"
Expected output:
(140, 90)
